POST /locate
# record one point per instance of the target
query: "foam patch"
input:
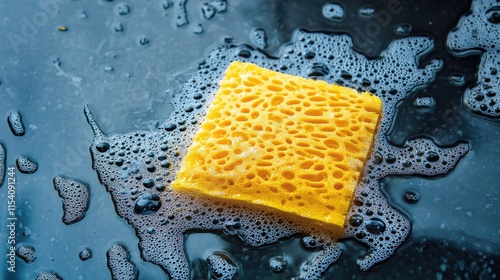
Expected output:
(137, 168)
(479, 30)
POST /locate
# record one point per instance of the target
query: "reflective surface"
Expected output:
(127, 59)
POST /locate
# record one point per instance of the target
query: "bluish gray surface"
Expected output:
(48, 75)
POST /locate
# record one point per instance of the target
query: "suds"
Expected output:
(26, 253)
(85, 254)
(75, 197)
(15, 122)
(479, 31)
(26, 165)
(143, 164)
(46, 275)
(119, 263)
(222, 267)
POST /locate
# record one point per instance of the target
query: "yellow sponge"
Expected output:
(280, 141)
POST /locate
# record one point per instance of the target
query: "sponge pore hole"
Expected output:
(274, 88)
(314, 112)
(264, 174)
(220, 154)
(307, 164)
(338, 174)
(277, 100)
(317, 177)
(288, 175)
(288, 187)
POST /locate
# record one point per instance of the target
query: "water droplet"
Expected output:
(170, 127)
(147, 203)
(456, 80)
(423, 101)
(432, 156)
(198, 29)
(366, 11)
(378, 158)
(165, 164)
(197, 96)
(317, 69)
(119, 27)
(411, 197)
(359, 201)
(143, 41)
(390, 158)
(85, 254)
(345, 75)
(102, 147)
(278, 264)
(219, 5)
(360, 235)
(233, 226)
(356, 220)
(493, 15)
(403, 29)
(228, 39)
(333, 11)
(122, 9)
(108, 68)
(309, 242)
(309, 55)
(82, 14)
(148, 183)
(259, 38)
(375, 226)
(208, 11)
(479, 97)
(166, 4)
(244, 53)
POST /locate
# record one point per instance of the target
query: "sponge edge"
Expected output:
(283, 142)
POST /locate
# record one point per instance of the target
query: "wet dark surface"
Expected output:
(128, 77)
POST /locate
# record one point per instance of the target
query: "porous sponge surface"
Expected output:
(281, 141)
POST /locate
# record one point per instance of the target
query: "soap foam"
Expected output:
(26, 165)
(145, 162)
(16, 124)
(26, 253)
(75, 197)
(479, 30)
(119, 263)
